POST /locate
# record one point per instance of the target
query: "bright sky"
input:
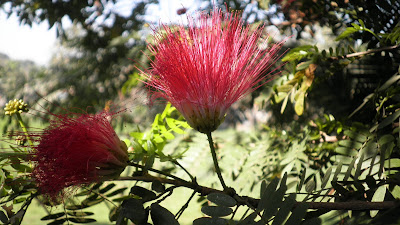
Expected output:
(38, 43)
(24, 42)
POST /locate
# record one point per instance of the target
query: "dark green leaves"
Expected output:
(133, 209)
(161, 216)
(145, 194)
(221, 199)
(209, 221)
(216, 211)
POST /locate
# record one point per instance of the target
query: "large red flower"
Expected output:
(77, 150)
(204, 68)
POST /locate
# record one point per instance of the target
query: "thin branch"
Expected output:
(183, 168)
(184, 207)
(156, 171)
(253, 202)
(387, 48)
(351, 205)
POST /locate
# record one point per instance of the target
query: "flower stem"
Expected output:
(23, 126)
(214, 156)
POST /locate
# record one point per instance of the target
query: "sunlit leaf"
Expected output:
(378, 196)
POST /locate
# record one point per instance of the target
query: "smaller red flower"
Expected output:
(76, 151)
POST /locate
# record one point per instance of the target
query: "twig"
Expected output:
(156, 171)
(184, 207)
(387, 48)
(183, 168)
(352, 205)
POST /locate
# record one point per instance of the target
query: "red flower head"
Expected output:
(204, 69)
(75, 151)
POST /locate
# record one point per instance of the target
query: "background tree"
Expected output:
(324, 142)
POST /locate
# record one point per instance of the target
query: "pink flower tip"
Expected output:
(77, 150)
(204, 68)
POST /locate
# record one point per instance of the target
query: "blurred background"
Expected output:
(71, 54)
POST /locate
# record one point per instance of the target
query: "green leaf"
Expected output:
(389, 120)
(302, 179)
(326, 177)
(396, 192)
(209, 221)
(161, 216)
(298, 214)
(53, 216)
(81, 220)
(299, 105)
(118, 191)
(3, 217)
(389, 82)
(249, 220)
(284, 103)
(392, 163)
(310, 186)
(297, 53)
(107, 188)
(356, 136)
(337, 172)
(284, 88)
(145, 194)
(358, 169)
(216, 211)
(361, 23)
(349, 169)
(303, 65)
(221, 199)
(312, 221)
(385, 139)
(157, 186)
(275, 201)
(55, 222)
(378, 196)
(133, 209)
(284, 210)
(346, 151)
(267, 193)
(79, 213)
(350, 144)
(346, 33)
(137, 135)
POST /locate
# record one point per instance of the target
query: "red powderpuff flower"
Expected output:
(204, 68)
(76, 151)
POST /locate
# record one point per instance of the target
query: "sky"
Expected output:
(24, 42)
(38, 43)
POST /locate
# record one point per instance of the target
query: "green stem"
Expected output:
(214, 156)
(23, 126)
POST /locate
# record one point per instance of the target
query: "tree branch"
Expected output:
(387, 48)
(253, 202)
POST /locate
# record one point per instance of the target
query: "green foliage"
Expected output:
(333, 134)
(152, 142)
